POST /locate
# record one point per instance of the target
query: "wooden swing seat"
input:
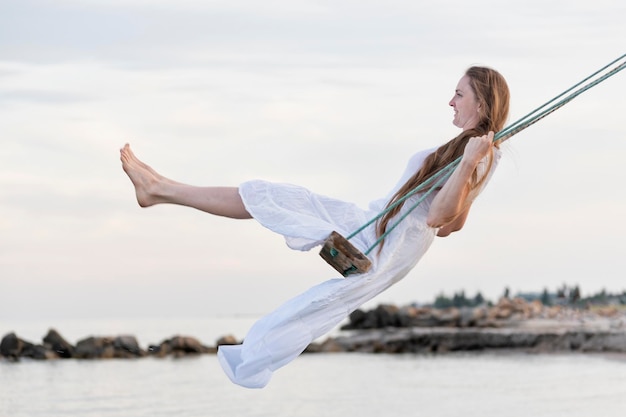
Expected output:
(343, 256)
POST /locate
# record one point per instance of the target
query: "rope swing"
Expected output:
(348, 260)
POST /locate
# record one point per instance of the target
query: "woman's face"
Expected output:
(465, 105)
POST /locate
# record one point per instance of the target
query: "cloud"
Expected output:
(39, 96)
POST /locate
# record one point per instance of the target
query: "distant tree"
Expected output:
(545, 298)
(506, 292)
(479, 299)
(442, 301)
(574, 295)
(561, 292)
(459, 300)
(600, 298)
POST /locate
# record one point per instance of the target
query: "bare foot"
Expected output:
(148, 183)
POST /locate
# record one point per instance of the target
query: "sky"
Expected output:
(331, 95)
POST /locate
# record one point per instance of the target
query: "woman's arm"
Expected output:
(454, 226)
(450, 207)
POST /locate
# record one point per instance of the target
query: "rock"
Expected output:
(227, 340)
(469, 317)
(187, 344)
(330, 345)
(536, 308)
(356, 319)
(424, 317)
(610, 311)
(386, 315)
(55, 342)
(448, 317)
(39, 352)
(604, 342)
(514, 309)
(180, 346)
(11, 346)
(369, 320)
(501, 312)
(124, 347)
(405, 316)
(94, 348)
(127, 346)
(422, 340)
(554, 312)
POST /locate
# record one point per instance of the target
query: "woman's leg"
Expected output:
(152, 188)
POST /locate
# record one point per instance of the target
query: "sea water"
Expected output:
(334, 384)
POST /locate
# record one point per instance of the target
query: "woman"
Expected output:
(480, 103)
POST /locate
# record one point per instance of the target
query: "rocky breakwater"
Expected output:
(55, 346)
(510, 324)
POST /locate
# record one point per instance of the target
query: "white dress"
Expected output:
(305, 220)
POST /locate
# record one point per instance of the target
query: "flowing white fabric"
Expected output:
(305, 220)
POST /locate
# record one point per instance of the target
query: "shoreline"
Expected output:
(441, 340)
(511, 324)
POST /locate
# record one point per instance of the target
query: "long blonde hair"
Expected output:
(492, 93)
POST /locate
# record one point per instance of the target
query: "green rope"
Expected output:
(439, 177)
(520, 123)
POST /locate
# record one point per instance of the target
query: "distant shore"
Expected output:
(511, 324)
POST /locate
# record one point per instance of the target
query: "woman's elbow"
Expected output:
(447, 230)
(434, 221)
(437, 223)
(449, 227)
